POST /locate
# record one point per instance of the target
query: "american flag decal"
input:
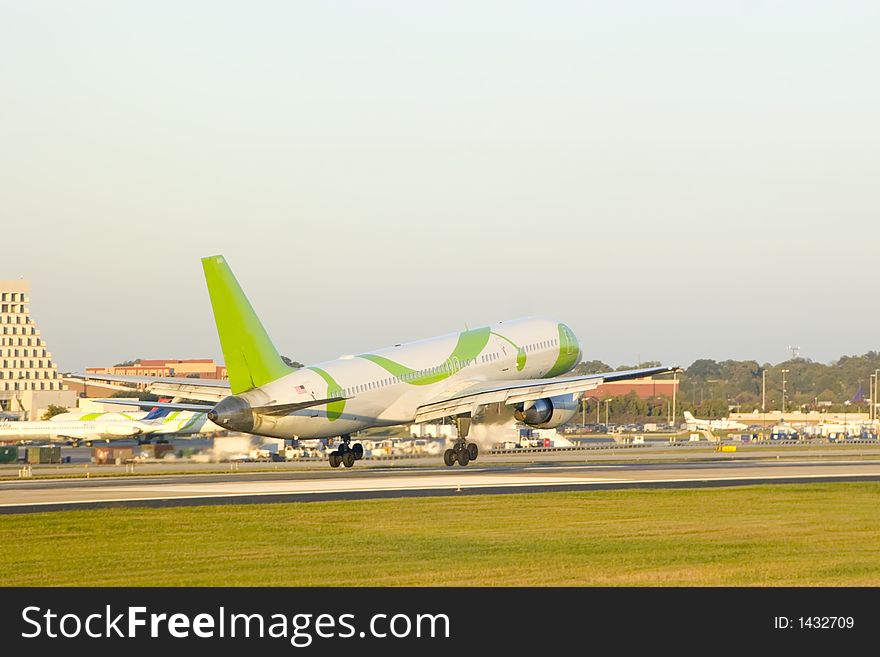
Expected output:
(300, 390)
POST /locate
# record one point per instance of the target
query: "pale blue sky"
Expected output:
(674, 180)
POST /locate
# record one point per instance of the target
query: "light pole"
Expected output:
(874, 398)
(871, 397)
(764, 391)
(674, 390)
(607, 401)
(784, 372)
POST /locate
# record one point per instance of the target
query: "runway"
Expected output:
(251, 488)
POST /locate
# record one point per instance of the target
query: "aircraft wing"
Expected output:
(523, 390)
(212, 390)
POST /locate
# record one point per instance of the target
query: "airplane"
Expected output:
(92, 427)
(106, 416)
(183, 423)
(723, 424)
(75, 431)
(515, 365)
(159, 421)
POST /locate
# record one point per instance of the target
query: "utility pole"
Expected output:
(784, 372)
(674, 389)
(870, 397)
(873, 400)
(607, 401)
(764, 391)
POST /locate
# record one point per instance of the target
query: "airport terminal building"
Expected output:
(29, 378)
(199, 368)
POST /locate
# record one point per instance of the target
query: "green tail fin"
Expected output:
(251, 358)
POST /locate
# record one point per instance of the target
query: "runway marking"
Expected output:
(198, 492)
(576, 466)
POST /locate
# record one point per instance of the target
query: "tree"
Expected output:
(704, 368)
(590, 367)
(53, 410)
(128, 363)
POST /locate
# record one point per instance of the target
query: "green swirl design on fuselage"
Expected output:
(520, 352)
(569, 352)
(469, 346)
(334, 408)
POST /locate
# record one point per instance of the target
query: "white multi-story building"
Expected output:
(29, 379)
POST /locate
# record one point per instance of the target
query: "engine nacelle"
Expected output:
(547, 413)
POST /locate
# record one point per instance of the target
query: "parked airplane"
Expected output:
(183, 423)
(160, 421)
(724, 424)
(108, 416)
(74, 430)
(90, 427)
(513, 364)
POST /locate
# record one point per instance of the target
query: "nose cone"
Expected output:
(233, 413)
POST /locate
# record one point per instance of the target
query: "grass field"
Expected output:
(818, 534)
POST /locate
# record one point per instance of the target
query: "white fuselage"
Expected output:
(109, 426)
(107, 416)
(182, 423)
(176, 422)
(75, 429)
(387, 386)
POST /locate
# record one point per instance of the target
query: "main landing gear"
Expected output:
(346, 454)
(462, 452)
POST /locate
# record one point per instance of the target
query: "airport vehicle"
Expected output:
(724, 424)
(514, 366)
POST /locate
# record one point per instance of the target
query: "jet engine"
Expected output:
(547, 413)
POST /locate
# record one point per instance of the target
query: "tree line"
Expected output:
(710, 388)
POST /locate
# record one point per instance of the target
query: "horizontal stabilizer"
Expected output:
(198, 408)
(287, 409)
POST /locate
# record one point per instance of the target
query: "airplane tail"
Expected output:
(251, 358)
(156, 413)
(689, 416)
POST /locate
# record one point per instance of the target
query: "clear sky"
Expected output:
(674, 180)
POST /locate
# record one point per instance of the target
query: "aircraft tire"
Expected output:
(473, 451)
(334, 459)
(348, 459)
(449, 457)
(463, 458)
(358, 450)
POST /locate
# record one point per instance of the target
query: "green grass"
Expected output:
(817, 534)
